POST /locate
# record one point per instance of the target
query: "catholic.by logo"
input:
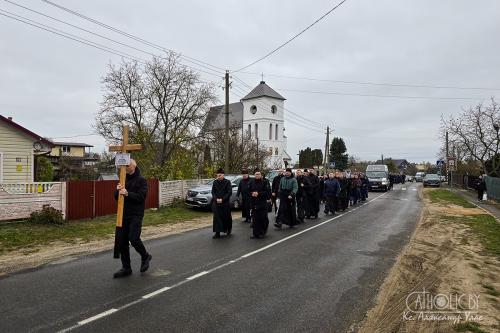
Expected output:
(456, 307)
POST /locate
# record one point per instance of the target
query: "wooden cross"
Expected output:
(123, 170)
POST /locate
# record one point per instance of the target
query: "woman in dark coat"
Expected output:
(221, 194)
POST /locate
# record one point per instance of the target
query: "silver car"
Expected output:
(201, 196)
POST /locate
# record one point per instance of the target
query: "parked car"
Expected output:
(419, 177)
(201, 196)
(432, 179)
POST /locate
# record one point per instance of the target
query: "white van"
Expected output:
(378, 176)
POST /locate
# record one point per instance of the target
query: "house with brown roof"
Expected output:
(18, 150)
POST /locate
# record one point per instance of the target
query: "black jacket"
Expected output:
(262, 187)
(135, 201)
(243, 188)
(276, 184)
(222, 189)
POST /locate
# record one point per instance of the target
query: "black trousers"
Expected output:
(331, 204)
(480, 194)
(131, 233)
(273, 201)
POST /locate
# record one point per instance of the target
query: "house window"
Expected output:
(66, 149)
(276, 151)
(256, 131)
(270, 131)
(276, 132)
(274, 109)
(18, 159)
(253, 109)
(249, 130)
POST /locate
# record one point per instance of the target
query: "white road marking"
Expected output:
(97, 316)
(159, 291)
(197, 275)
(403, 189)
(414, 189)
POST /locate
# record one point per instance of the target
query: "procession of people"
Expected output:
(292, 197)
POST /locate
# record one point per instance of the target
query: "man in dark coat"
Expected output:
(134, 192)
(481, 188)
(221, 207)
(287, 192)
(345, 190)
(300, 198)
(313, 196)
(331, 194)
(243, 190)
(364, 187)
(275, 188)
(260, 193)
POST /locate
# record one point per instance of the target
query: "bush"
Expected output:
(48, 215)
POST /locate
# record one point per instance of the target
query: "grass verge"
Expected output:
(24, 235)
(485, 226)
(446, 196)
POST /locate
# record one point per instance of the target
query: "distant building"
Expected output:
(260, 114)
(401, 164)
(18, 150)
(78, 155)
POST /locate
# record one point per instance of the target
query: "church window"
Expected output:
(270, 131)
(276, 151)
(274, 109)
(253, 109)
(249, 130)
(276, 133)
(256, 131)
(271, 151)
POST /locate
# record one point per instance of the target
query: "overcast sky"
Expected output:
(51, 85)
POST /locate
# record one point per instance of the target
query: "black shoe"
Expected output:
(326, 212)
(255, 237)
(228, 233)
(217, 235)
(277, 225)
(122, 273)
(145, 263)
(315, 217)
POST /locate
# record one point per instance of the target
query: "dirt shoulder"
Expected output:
(63, 251)
(447, 279)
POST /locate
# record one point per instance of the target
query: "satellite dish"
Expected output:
(37, 145)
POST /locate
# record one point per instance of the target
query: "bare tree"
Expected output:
(164, 102)
(474, 135)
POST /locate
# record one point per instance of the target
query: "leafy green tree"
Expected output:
(44, 169)
(310, 157)
(338, 153)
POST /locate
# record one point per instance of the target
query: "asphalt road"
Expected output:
(320, 276)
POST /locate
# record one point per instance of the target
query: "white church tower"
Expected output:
(263, 117)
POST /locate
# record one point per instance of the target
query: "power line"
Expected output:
(373, 83)
(101, 36)
(381, 96)
(291, 39)
(121, 32)
(69, 36)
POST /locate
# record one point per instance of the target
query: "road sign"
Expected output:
(440, 163)
(452, 164)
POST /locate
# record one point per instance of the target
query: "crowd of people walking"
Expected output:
(294, 198)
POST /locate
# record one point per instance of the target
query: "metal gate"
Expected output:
(90, 199)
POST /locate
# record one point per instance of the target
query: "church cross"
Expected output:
(124, 148)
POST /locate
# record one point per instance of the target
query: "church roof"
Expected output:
(263, 90)
(216, 118)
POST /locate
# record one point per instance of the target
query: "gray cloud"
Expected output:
(52, 85)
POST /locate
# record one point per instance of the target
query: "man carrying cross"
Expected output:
(134, 193)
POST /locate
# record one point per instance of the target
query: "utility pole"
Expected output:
(448, 175)
(327, 148)
(226, 112)
(382, 158)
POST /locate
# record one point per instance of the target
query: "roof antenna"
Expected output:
(262, 81)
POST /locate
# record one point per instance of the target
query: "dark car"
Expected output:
(432, 179)
(201, 196)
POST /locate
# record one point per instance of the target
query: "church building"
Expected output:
(260, 114)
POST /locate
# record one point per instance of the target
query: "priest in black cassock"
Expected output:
(221, 207)
(260, 192)
(287, 213)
